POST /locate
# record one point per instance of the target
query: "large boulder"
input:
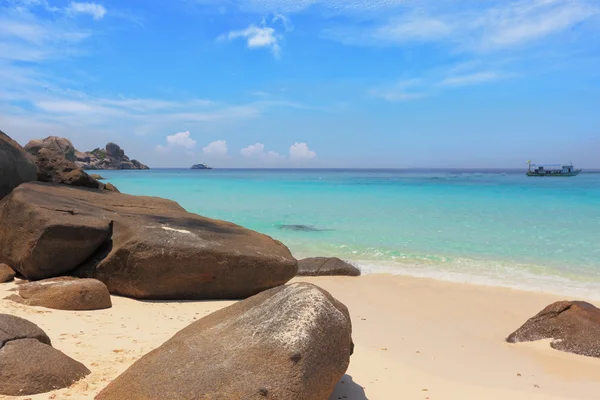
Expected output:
(15, 328)
(55, 144)
(28, 367)
(16, 166)
(65, 293)
(113, 150)
(288, 343)
(41, 238)
(326, 266)
(28, 363)
(156, 250)
(7, 274)
(574, 326)
(54, 167)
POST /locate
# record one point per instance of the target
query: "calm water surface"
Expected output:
(493, 227)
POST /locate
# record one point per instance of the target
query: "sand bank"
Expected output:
(415, 339)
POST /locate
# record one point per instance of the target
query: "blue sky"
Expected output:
(308, 83)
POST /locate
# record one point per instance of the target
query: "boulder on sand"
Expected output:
(288, 343)
(55, 144)
(151, 247)
(574, 326)
(41, 239)
(65, 293)
(14, 328)
(7, 274)
(16, 166)
(28, 363)
(326, 266)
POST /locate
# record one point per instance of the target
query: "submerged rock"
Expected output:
(288, 343)
(574, 326)
(16, 166)
(29, 364)
(140, 247)
(66, 293)
(326, 266)
(301, 228)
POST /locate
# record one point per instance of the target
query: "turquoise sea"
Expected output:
(489, 227)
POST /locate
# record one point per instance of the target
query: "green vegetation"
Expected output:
(99, 153)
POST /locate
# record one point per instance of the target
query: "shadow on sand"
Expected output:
(348, 389)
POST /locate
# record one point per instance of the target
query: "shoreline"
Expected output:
(410, 334)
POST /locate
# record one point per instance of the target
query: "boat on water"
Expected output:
(200, 166)
(552, 170)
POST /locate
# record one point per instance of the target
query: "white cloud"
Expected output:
(96, 11)
(406, 90)
(257, 151)
(257, 37)
(471, 79)
(300, 151)
(181, 139)
(475, 26)
(216, 148)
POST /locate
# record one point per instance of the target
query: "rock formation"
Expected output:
(55, 144)
(288, 343)
(140, 247)
(7, 274)
(29, 364)
(326, 266)
(574, 326)
(111, 157)
(16, 166)
(65, 293)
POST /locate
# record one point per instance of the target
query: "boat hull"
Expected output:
(565, 174)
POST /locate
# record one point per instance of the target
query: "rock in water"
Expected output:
(16, 166)
(289, 343)
(28, 363)
(65, 293)
(55, 144)
(111, 157)
(574, 326)
(155, 249)
(326, 266)
(7, 274)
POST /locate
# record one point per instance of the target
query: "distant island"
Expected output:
(111, 157)
(200, 166)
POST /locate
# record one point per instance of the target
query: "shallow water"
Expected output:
(491, 227)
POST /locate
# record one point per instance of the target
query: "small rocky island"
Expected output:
(111, 157)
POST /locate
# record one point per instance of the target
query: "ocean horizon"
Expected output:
(485, 226)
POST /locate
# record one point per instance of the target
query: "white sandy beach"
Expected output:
(414, 339)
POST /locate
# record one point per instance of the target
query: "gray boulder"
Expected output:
(16, 166)
(288, 343)
(574, 327)
(55, 144)
(28, 363)
(140, 247)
